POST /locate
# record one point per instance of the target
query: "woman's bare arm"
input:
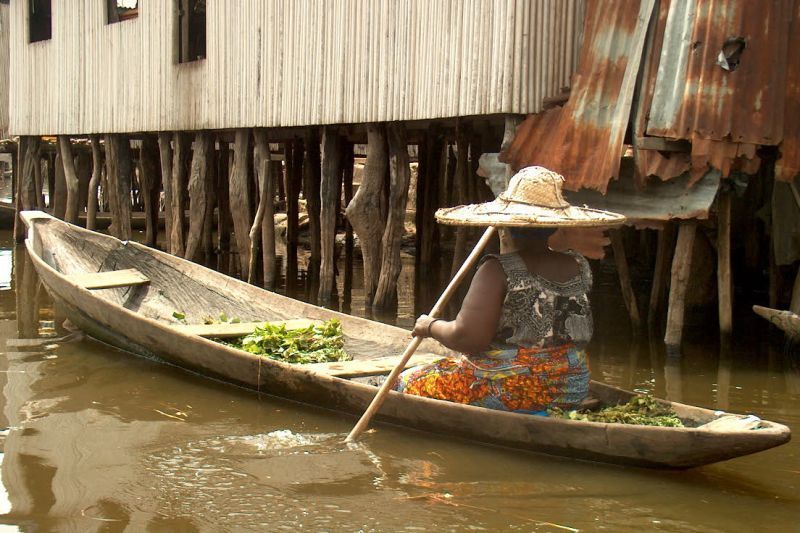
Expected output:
(476, 323)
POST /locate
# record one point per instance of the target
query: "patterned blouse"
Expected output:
(539, 313)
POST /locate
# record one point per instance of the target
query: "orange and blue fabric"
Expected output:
(523, 380)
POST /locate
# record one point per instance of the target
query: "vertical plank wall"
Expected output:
(289, 63)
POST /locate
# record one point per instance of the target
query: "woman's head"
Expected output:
(526, 235)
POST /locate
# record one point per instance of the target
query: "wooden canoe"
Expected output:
(786, 321)
(139, 318)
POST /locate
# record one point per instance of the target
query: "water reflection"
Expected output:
(99, 440)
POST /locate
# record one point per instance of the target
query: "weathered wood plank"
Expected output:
(110, 279)
(369, 367)
(70, 177)
(240, 329)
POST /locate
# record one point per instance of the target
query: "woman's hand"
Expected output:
(422, 326)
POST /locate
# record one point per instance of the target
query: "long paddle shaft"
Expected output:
(412, 347)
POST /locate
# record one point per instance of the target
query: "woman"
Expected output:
(525, 321)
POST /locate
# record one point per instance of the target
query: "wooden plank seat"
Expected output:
(229, 330)
(109, 279)
(369, 367)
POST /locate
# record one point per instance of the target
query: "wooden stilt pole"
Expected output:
(198, 193)
(311, 192)
(94, 184)
(365, 211)
(83, 168)
(724, 281)
(150, 176)
(400, 176)
(239, 200)
(165, 152)
(26, 184)
(180, 151)
(263, 228)
(39, 179)
(681, 268)
(118, 170)
(224, 220)
(330, 189)
(71, 178)
(666, 238)
(462, 188)
(429, 240)
(628, 295)
(211, 201)
(347, 184)
(291, 180)
(58, 192)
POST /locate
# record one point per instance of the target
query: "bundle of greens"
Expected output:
(319, 343)
(640, 410)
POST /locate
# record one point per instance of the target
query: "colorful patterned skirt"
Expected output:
(529, 380)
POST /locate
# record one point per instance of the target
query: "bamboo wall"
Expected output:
(4, 42)
(290, 63)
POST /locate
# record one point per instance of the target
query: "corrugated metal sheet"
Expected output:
(725, 113)
(584, 140)
(788, 166)
(4, 71)
(289, 63)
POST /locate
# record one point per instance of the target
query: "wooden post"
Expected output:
(180, 151)
(400, 176)
(150, 176)
(199, 189)
(118, 170)
(239, 201)
(71, 178)
(263, 228)
(681, 268)
(462, 188)
(48, 167)
(311, 191)
(365, 212)
(724, 282)
(427, 228)
(291, 181)
(330, 189)
(211, 200)
(628, 295)
(58, 192)
(38, 178)
(347, 184)
(83, 168)
(28, 150)
(94, 183)
(223, 205)
(165, 152)
(666, 238)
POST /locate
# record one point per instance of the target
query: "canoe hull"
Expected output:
(632, 445)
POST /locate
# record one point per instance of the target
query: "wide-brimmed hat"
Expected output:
(533, 199)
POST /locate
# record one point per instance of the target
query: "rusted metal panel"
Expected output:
(659, 202)
(583, 141)
(788, 166)
(721, 80)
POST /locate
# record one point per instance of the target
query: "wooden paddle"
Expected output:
(412, 347)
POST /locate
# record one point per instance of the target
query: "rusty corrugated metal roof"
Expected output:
(583, 141)
(721, 80)
(788, 166)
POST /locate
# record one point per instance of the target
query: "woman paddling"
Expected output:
(525, 321)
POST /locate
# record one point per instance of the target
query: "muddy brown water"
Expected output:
(94, 439)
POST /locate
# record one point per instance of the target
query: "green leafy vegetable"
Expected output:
(179, 316)
(319, 343)
(640, 410)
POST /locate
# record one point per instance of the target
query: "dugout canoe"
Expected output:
(786, 321)
(125, 294)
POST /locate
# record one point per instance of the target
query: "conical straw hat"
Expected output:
(533, 199)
